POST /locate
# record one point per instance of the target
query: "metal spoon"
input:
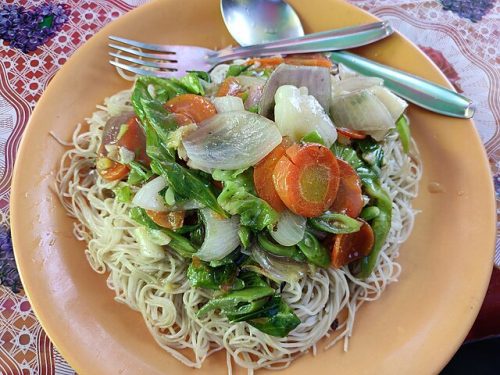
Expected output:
(260, 21)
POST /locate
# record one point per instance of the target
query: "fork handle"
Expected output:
(331, 40)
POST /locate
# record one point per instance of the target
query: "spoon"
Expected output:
(259, 21)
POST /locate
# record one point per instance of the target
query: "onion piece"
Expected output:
(361, 110)
(276, 268)
(221, 236)
(289, 229)
(148, 198)
(348, 85)
(394, 104)
(345, 72)
(297, 114)
(315, 79)
(232, 140)
(228, 104)
(255, 87)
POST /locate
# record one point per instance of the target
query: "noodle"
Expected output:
(160, 291)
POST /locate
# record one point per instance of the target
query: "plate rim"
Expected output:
(66, 352)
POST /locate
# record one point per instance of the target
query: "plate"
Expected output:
(413, 329)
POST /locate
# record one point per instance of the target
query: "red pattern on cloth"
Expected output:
(466, 52)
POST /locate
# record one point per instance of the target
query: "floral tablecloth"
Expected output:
(461, 36)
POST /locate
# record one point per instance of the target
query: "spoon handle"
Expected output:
(417, 90)
(330, 40)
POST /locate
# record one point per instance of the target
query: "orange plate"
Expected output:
(413, 329)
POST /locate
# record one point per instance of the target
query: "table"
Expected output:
(460, 36)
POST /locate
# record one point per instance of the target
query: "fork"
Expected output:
(176, 60)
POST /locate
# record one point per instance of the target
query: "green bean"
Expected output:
(335, 223)
(370, 213)
(315, 252)
(280, 250)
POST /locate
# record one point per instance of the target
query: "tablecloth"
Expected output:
(460, 36)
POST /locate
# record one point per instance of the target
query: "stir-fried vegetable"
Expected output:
(232, 140)
(221, 236)
(307, 179)
(315, 79)
(403, 128)
(252, 203)
(349, 199)
(352, 246)
(190, 108)
(238, 197)
(276, 268)
(223, 277)
(289, 229)
(297, 114)
(314, 251)
(381, 224)
(263, 176)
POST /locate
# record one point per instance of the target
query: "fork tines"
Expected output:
(130, 56)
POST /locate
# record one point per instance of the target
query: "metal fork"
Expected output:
(174, 60)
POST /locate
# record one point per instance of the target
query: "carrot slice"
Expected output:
(266, 62)
(309, 59)
(111, 170)
(171, 220)
(230, 87)
(263, 177)
(352, 134)
(350, 247)
(192, 107)
(307, 179)
(349, 199)
(134, 139)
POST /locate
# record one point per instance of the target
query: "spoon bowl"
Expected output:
(260, 21)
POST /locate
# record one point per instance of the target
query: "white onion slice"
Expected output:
(148, 198)
(361, 110)
(394, 104)
(289, 229)
(221, 236)
(277, 268)
(232, 140)
(348, 85)
(315, 78)
(228, 104)
(297, 114)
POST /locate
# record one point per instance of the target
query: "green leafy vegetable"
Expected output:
(236, 70)
(335, 223)
(275, 318)
(313, 137)
(202, 75)
(177, 242)
(315, 252)
(192, 84)
(254, 109)
(371, 152)
(238, 197)
(123, 193)
(403, 128)
(232, 301)
(244, 234)
(138, 173)
(280, 250)
(201, 275)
